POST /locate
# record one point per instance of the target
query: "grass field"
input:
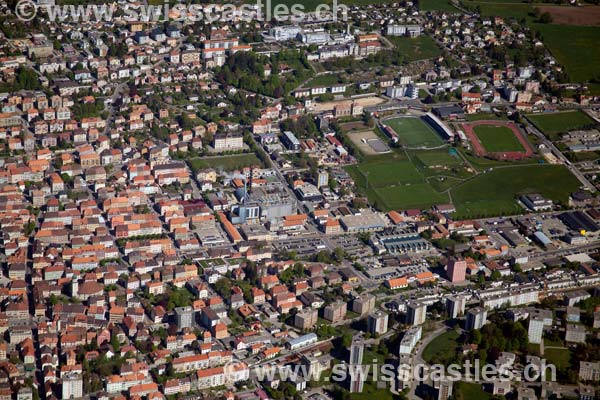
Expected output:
(324, 80)
(419, 48)
(561, 122)
(421, 195)
(404, 179)
(226, 163)
(434, 158)
(311, 5)
(370, 392)
(553, 343)
(495, 192)
(382, 174)
(468, 391)
(392, 181)
(497, 138)
(594, 88)
(508, 9)
(575, 47)
(414, 132)
(414, 179)
(559, 357)
(441, 346)
(437, 5)
(482, 164)
(484, 117)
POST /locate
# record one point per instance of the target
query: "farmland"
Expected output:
(589, 15)
(505, 9)
(437, 5)
(497, 138)
(571, 45)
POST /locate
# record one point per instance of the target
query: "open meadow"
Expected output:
(554, 124)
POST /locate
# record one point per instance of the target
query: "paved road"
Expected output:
(418, 356)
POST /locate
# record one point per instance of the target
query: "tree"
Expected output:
(339, 254)
(223, 287)
(346, 339)
(29, 228)
(495, 275)
(114, 342)
(368, 120)
(545, 18)
(476, 336)
(359, 202)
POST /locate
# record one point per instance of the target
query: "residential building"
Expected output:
(228, 142)
(357, 348)
(377, 323)
(409, 340)
(455, 306)
(456, 270)
(575, 333)
(416, 313)
(335, 312)
(72, 386)
(535, 329)
(184, 317)
(306, 318)
(476, 318)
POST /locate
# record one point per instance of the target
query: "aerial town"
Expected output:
(322, 209)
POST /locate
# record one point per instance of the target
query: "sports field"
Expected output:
(500, 140)
(561, 122)
(368, 142)
(438, 158)
(495, 192)
(311, 5)
(420, 195)
(393, 182)
(497, 138)
(423, 178)
(413, 132)
(416, 179)
(382, 174)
